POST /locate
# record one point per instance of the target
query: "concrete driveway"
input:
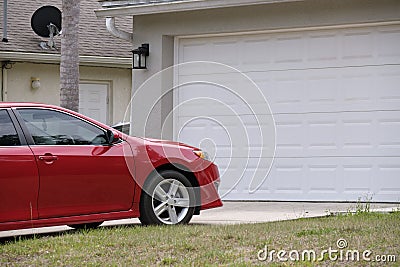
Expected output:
(257, 212)
(241, 212)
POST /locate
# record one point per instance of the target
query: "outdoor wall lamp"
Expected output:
(140, 54)
(35, 83)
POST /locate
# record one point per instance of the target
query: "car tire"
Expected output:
(167, 199)
(85, 225)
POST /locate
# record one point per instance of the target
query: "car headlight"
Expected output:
(202, 154)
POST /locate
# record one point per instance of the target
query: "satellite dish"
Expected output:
(44, 19)
(46, 22)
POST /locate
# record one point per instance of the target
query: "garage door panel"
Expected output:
(263, 44)
(388, 182)
(239, 173)
(372, 133)
(322, 178)
(331, 90)
(338, 134)
(353, 84)
(193, 51)
(329, 179)
(358, 177)
(323, 47)
(335, 48)
(238, 136)
(305, 135)
(352, 146)
(226, 50)
(298, 91)
(300, 135)
(380, 173)
(234, 170)
(290, 175)
(388, 132)
(389, 94)
(359, 134)
(387, 48)
(224, 94)
(354, 46)
(285, 53)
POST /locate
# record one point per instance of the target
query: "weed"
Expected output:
(364, 205)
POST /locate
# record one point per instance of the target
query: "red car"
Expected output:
(59, 167)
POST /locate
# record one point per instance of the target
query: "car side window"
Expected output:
(50, 127)
(8, 134)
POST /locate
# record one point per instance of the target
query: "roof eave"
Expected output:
(96, 61)
(127, 9)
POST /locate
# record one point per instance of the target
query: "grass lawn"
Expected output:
(215, 245)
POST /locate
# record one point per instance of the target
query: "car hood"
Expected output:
(168, 142)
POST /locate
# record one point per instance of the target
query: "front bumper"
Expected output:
(209, 182)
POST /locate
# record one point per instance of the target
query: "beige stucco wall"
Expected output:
(154, 29)
(19, 85)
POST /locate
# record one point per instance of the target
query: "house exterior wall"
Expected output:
(19, 85)
(157, 30)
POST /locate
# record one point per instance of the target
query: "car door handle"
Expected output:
(48, 158)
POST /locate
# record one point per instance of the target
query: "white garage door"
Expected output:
(335, 97)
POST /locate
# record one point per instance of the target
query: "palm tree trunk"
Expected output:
(69, 66)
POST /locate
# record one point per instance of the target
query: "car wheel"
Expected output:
(85, 225)
(167, 198)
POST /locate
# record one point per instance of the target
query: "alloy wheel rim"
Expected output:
(171, 201)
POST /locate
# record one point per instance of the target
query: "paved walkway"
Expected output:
(242, 212)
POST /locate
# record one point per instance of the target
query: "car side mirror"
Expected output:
(112, 137)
